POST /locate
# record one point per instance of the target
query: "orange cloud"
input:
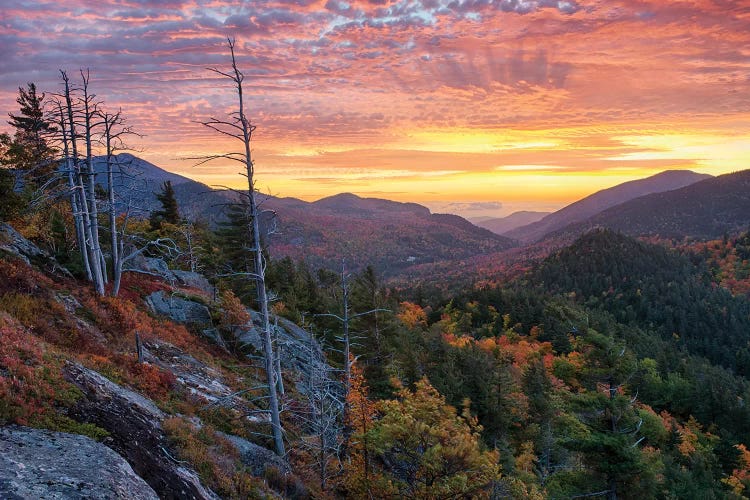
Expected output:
(424, 99)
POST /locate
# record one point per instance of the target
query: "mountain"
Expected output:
(389, 235)
(501, 225)
(137, 181)
(601, 200)
(703, 210)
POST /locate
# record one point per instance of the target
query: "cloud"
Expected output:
(362, 80)
(473, 206)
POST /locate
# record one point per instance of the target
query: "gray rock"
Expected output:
(255, 457)
(299, 352)
(193, 280)
(159, 267)
(53, 465)
(194, 376)
(150, 265)
(179, 309)
(134, 424)
(13, 242)
(214, 336)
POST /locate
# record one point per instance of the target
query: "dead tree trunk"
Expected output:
(96, 256)
(79, 189)
(112, 137)
(240, 128)
(69, 162)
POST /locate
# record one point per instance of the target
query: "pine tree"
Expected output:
(29, 153)
(169, 212)
(12, 202)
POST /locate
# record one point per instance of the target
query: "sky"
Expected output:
(477, 107)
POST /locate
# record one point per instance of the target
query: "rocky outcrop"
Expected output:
(12, 242)
(179, 309)
(299, 352)
(53, 465)
(194, 376)
(158, 267)
(134, 424)
(255, 457)
(193, 280)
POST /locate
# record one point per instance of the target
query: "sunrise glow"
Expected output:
(520, 103)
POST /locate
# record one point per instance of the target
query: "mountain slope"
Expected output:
(706, 209)
(389, 235)
(137, 181)
(601, 200)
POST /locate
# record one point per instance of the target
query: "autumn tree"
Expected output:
(358, 475)
(426, 449)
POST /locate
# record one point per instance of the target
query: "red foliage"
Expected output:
(135, 286)
(30, 382)
(151, 380)
(16, 276)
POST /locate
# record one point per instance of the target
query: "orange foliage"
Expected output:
(412, 315)
(359, 416)
(688, 433)
(152, 380)
(233, 312)
(522, 351)
(457, 341)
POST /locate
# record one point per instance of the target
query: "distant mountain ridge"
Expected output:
(501, 225)
(387, 234)
(604, 199)
(705, 209)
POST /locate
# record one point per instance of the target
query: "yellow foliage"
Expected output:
(412, 315)
(420, 433)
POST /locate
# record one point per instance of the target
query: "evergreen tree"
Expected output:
(169, 210)
(28, 152)
(12, 202)
(611, 445)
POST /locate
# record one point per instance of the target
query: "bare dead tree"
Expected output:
(238, 127)
(277, 357)
(321, 416)
(82, 194)
(113, 137)
(193, 249)
(90, 111)
(69, 160)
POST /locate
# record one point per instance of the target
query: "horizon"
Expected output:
(481, 108)
(470, 210)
